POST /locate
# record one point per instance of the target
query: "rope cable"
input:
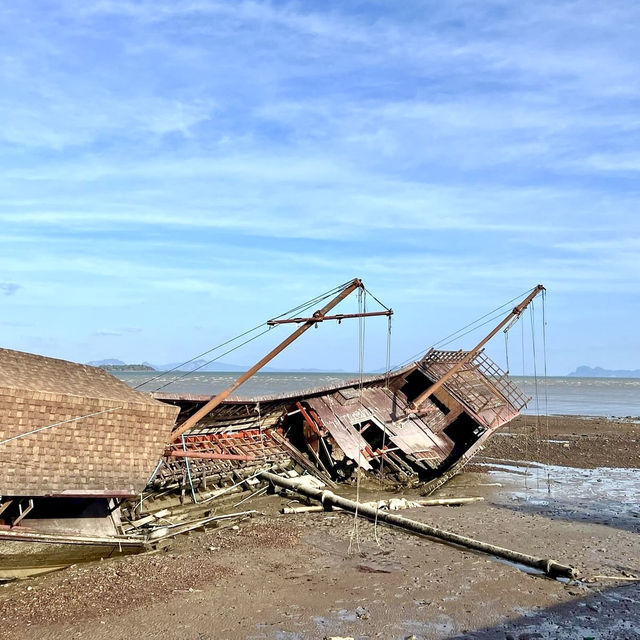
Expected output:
(204, 353)
(222, 355)
(290, 312)
(384, 437)
(355, 531)
(472, 326)
(388, 358)
(384, 306)
(502, 306)
(535, 382)
(526, 435)
(546, 397)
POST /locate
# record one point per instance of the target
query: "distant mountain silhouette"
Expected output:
(109, 362)
(201, 365)
(599, 372)
(112, 364)
(214, 367)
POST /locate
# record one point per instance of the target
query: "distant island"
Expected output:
(599, 372)
(112, 364)
(117, 365)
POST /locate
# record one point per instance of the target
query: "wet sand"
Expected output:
(571, 441)
(280, 577)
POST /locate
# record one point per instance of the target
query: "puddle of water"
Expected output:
(442, 625)
(600, 494)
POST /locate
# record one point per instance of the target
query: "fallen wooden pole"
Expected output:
(312, 509)
(330, 499)
(432, 502)
(384, 504)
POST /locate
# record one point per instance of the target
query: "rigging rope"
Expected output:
(362, 305)
(57, 424)
(384, 306)
(290, 312)
(460, 333)
(388, 358)
(384, 436)
(188, 466)
(222, 355)
(506, 348)
(524, 416)
(546, 398)
(535, 381)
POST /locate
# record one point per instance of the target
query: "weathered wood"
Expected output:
(515, 313)
(223, 395)
(330, 499)
(448, 501)
(386, 504)
(302, 461)
(150, 518)
(170, 531)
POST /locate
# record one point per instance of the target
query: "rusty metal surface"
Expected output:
(286, 396)
(338, 419)
(339, 317)
(388, 410)
(214, 456)
(209, 406)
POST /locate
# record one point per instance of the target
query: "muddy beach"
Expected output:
(321, 575)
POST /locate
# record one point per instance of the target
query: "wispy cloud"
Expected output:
(230, 157)
(9, 288)
(116, 332)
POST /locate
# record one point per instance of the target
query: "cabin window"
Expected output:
(372, 431)
(415, 383)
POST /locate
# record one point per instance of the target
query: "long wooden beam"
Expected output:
(514, 313)
(223, 395)
(328, 499)
(339, 317)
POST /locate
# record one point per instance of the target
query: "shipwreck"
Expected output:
(87, 461)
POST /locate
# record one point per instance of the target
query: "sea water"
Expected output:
(617, 397)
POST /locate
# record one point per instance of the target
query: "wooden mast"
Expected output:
(514, 313)
(318, 316)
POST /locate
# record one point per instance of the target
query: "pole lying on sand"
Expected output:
(384, 504)
(329, 499)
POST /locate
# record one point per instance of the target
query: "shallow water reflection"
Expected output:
(602, 495)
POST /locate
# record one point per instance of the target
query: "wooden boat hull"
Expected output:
(24, 554)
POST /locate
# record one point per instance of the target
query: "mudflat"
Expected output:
(572, 441)
(317, 575)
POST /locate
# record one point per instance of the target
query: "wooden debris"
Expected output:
(170, 531)
(328, 498)
(394, 504)
(150, 518)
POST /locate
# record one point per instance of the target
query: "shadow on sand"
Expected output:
(607, 614)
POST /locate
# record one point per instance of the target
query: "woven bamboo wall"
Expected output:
(112, 453)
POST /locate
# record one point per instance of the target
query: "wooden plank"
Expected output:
(339, 420)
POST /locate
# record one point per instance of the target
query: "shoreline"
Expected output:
(318, 575)
(573, 441)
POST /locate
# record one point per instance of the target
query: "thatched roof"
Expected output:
(110, 451)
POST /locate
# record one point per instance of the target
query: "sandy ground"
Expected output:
(570, 441)
(278, 577)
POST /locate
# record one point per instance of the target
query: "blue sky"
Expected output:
(174, 172)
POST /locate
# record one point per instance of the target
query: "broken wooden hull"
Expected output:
(370, 424)
(27, 553)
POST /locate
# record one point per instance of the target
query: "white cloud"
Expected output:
(9, 288)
